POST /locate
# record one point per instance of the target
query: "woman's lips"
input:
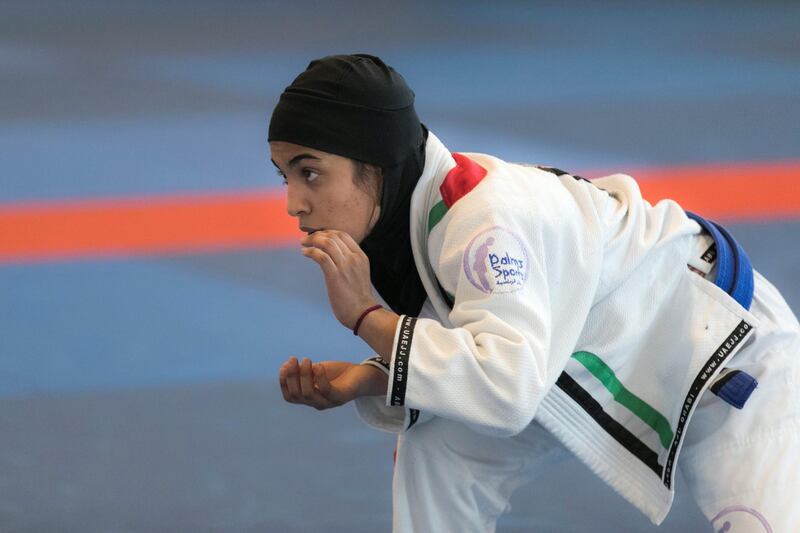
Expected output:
(308, 230)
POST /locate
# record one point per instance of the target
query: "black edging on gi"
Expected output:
(401, 354)
(379, 362)
(720, 355)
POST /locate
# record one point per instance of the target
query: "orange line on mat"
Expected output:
(43, 231)
(136, 226)
(741, 191)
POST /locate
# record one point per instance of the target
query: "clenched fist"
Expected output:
(346, 270)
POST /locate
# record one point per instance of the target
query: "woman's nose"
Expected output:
(296, 203)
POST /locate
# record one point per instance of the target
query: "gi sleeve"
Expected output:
(523, 279)
(375, 412)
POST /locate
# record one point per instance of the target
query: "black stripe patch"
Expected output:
(413, 416)
(611, 426)
(405, 336)
(723, 352)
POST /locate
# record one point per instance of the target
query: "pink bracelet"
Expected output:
(363, 315)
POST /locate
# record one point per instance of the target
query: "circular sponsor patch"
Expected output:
(496, 261)
(740, 518)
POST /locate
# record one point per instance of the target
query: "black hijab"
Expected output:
(356, 106)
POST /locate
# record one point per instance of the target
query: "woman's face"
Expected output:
(322, 192)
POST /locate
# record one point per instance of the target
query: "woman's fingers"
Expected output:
(306, 380)
(321, 380)
(282, 380)
(293, 379)
(349, 242)
(328, 242)
(324, 388)
(346, 274)
(338, 245)
(322, 259)
(298, 382)
(310, 384)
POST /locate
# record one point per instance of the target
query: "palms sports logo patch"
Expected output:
(496, 261)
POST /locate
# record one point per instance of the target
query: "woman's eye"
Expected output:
(310, 175)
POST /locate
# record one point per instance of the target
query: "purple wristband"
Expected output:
(363, 315)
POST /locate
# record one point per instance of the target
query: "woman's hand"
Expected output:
(346, 270)
(329, 383)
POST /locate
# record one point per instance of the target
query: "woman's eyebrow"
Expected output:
(296, 159)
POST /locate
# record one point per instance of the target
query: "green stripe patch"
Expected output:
(436, 214)
(633, 403)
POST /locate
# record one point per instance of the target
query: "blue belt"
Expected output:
(734, 271)
(734, 276)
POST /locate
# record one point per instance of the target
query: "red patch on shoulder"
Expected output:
(461, 179)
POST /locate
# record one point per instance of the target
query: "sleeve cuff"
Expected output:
(375, 413)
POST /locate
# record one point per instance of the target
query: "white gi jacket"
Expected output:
(572, 304)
